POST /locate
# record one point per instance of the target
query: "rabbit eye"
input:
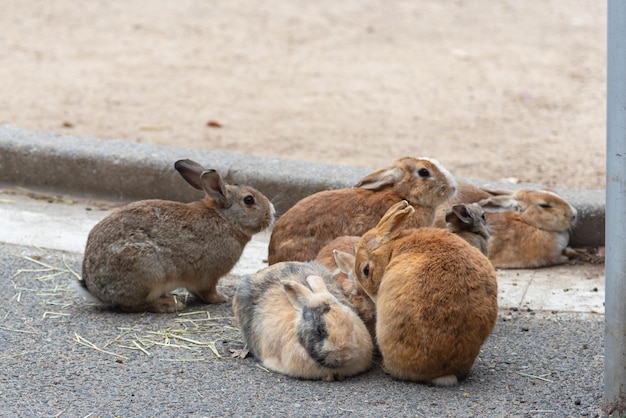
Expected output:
(483, 217)
(545, 205)
(366, 270)
(423, 172)
(248, 200)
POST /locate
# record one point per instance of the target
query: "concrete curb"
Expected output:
(125, 171)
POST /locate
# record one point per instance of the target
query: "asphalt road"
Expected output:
(60, 357)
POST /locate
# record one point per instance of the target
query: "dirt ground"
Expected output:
(507, 90)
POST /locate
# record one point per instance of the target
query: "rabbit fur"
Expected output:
(338, 257)
(296, 321)
(435, 295)
(530, 228)
(140, 253)
(314, 221)
(469, 222)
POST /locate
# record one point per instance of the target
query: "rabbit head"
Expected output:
(325, 327)
(338, 257)
(469, 222)
(420, 181)
(243, 206)
(542, 209)
(373, 254)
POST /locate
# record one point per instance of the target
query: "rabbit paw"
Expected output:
(213, 296)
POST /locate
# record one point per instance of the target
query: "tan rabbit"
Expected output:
(315, 220)
(137, 255)
(294, 325)
(435, 294)
(530, 228)
(469, 222)
(535, 234)
(338, 257)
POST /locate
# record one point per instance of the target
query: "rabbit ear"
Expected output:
(381, 178)
(393, 221)
(317, 284)
(461, 212)
(297, 294)
(500, 204)
(213, 185)
(190, 171)
(497, 192)
(344, 260)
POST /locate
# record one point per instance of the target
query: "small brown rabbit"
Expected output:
(137, 255)
(469, 222)
(315, 220)
(436, 298)
(294, 325)
(326, 257)
(466, 193)
(530, 228)
(338, 257)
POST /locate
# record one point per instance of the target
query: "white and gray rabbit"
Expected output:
(294, 325)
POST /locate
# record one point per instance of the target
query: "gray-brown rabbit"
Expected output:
(314, 221)
(137, 255)
(469, 222)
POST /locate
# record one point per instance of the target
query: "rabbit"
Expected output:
(530, 228)
(314, 221)
(436, 298)
(293, 324)
(468, 221)
(137, 255)
(338, 257)
(466, 193)
(535, 234)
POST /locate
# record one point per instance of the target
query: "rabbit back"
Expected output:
(314, 221)
(436, 305)
(520, 245)
(141, 252)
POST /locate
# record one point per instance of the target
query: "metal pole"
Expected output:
(615, 268)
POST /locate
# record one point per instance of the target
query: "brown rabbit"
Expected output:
(315, 220)
(326, 257)
(530, 228)
(338, 257)
(536, 234)
(469, 222)
(436, 298)
(294, 324)
(137, 255)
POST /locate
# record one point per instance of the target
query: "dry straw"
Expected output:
(190, 336)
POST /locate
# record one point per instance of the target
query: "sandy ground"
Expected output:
(495, 90)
